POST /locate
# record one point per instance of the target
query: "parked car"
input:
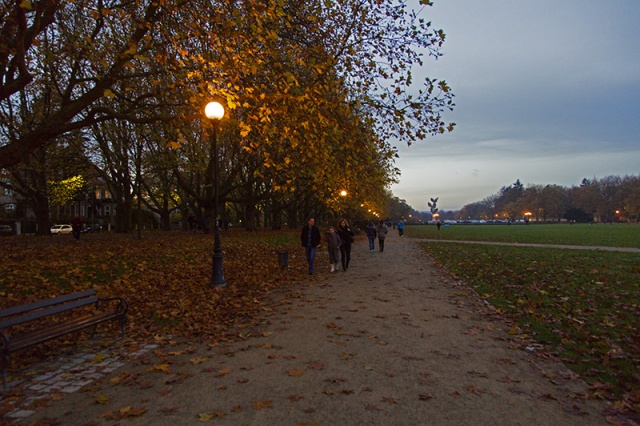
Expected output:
(61, 229)
(6, 230)
(92, 228)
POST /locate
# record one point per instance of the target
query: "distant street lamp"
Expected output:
(214, 112)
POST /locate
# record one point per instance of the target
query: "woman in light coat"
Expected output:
(382, 234)
(333, 247)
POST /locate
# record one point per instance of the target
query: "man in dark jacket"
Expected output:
(310, 240)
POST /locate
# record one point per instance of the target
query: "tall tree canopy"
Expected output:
(316, 91)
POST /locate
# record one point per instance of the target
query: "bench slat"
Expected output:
(44, 303)
(48, 311)
(43, 335)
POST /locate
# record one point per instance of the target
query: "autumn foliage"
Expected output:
(164, 276)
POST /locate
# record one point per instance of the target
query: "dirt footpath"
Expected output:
(392, 341)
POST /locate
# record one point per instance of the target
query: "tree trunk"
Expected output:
(41, 210)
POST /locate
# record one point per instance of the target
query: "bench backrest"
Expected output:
(31, 311)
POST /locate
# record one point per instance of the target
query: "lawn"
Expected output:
(616, 235)
(583, 306)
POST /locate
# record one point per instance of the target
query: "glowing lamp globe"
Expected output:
(214, 111)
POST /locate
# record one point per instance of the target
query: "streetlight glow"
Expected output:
(214, 111)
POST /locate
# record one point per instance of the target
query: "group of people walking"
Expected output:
(338, 240)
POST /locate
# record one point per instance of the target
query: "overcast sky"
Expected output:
(547, 91)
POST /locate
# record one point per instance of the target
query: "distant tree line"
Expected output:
(608, 199)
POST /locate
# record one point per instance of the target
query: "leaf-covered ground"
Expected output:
(164, 276)
(585, 305)
(390, 341)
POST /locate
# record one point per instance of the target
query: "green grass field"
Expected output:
(584, 306)
(616, 235)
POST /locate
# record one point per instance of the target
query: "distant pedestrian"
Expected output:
(438, 224)
(346, 235)
(382, 234)
(76, 228)
(310, 240)
(371, 232)
(333, 247)
(401, 228)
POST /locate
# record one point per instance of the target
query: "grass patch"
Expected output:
(616, 235)
(584, 304)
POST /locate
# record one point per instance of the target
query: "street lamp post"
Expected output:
(214, 112)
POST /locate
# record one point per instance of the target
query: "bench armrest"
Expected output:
(122, 304)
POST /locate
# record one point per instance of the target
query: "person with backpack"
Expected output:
(371, 232)
(382, 234)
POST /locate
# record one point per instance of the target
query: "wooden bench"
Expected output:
(52, 318)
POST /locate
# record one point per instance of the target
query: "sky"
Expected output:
(547, 92)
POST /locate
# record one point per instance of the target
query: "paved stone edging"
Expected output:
(68, 375)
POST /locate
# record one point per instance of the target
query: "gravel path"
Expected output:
(392, 341)
(558, 246)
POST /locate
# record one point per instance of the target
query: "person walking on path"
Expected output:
(400, 228)
(310, 240)
(76, 228)
(382, 234)
(333, 247)
(346, 234)
(371, 232)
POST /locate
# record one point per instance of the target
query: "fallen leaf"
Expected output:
(475, 390)
(295, 372)
(56, 396)
(205, 417)
(389, 400)
(478, 374)
(263, 403)
(136, 411)
(316, 365)
(164, 368)
(102, 399)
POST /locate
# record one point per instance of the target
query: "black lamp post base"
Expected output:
(217, 276)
